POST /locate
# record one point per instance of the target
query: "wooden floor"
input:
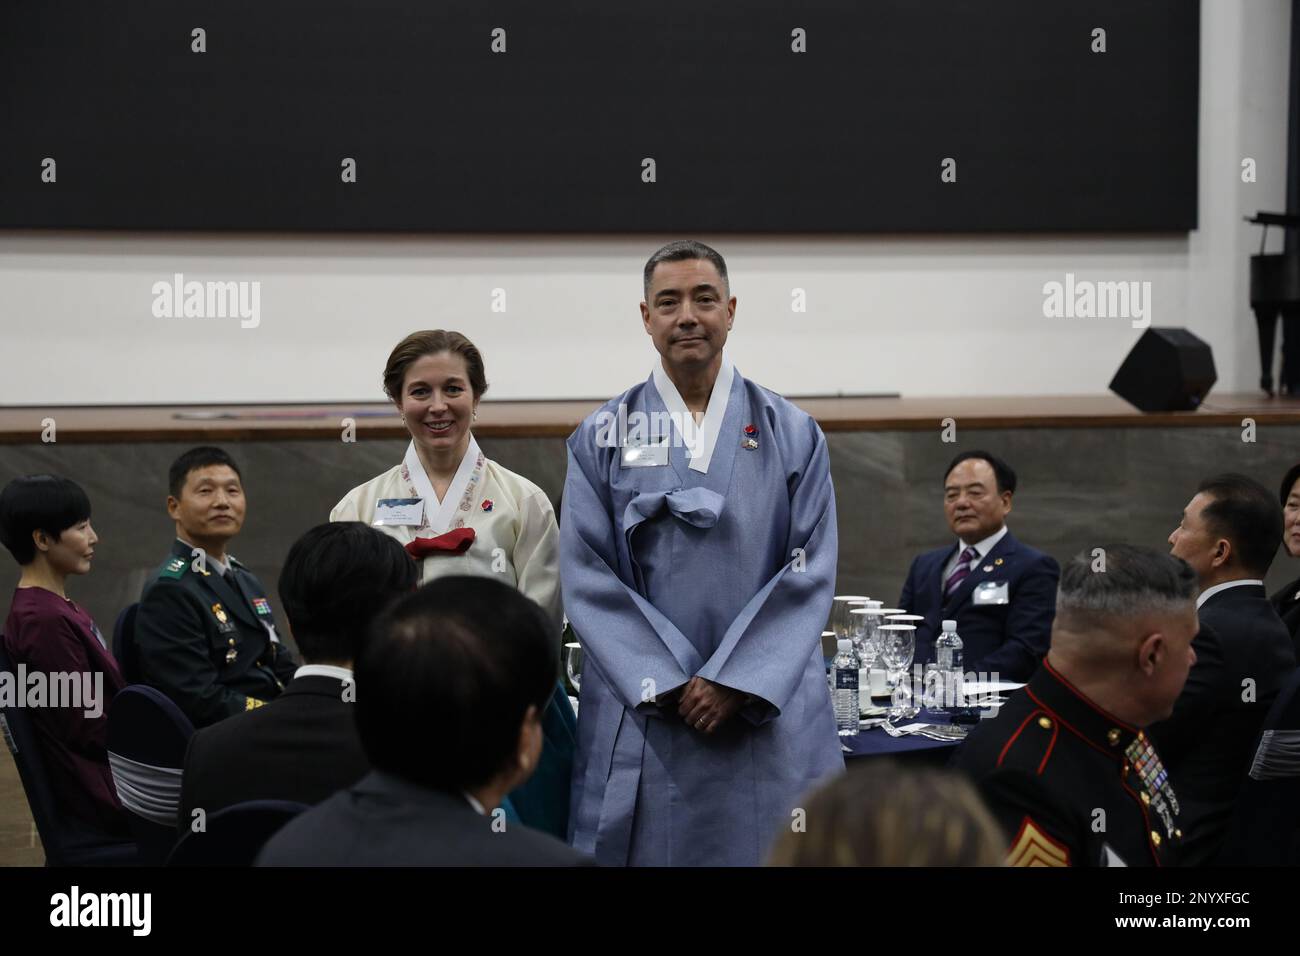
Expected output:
(19, 844)
(508, 419)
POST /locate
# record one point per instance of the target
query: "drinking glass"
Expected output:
(841, 604)
(897, 645)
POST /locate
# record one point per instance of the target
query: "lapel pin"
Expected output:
(998, 561)
(487, 504)
(988, 568)
(749, 443)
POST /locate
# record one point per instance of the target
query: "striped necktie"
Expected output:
(960, 572)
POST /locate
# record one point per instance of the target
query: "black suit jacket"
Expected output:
(1208, 742)
(1009, 639)
(1287, 604)
(386, 821)
(302, 746)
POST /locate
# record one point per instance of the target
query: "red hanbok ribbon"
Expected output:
(456, 541)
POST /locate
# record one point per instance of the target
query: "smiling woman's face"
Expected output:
(1291, 521)
(438, 403)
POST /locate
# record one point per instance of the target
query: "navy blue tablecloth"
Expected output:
(876, 743)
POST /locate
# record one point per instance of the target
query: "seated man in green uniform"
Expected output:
(1065, 766)
(204, 631)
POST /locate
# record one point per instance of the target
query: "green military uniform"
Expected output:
(207, 641)
(1071, 784)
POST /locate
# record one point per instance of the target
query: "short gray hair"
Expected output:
(1125, 580)
(682, 250)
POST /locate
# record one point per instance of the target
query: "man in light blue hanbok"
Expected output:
(697, 561)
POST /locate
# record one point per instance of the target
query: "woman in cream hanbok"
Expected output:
(458, 512)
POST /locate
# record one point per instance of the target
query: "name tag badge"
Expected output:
(991, 592)
(645, 456)
(399, 512)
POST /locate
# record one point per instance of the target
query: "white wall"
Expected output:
(916, 315)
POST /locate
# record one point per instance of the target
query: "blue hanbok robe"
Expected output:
(668, 573)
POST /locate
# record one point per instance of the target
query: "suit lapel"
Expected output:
(1003, 549)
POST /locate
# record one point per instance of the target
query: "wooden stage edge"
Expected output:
(556, 419)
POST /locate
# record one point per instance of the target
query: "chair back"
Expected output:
(147, 738)
(234, 835)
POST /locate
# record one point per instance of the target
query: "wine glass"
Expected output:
(865, 633)
(573, 665)
(897, 645)
(841, 604)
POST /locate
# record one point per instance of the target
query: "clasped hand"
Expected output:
(706, 706)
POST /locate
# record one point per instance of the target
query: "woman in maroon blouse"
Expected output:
(45, 524)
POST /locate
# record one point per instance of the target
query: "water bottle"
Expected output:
(844, 671)
(949, 668)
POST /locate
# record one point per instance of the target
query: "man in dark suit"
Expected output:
(1229, 533)
(303, 746)
(1001, 592)
(451, 687)
(205, 632)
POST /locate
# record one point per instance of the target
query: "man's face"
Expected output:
(687, 313)
(1169, 671)
(211, 505)
(971, 501)
(1193, 541)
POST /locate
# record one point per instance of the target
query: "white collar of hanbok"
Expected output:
(700, 444)
(441, 519)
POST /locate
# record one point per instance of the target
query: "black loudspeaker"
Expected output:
(1168, 370)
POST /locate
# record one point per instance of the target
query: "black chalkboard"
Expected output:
(746, 134)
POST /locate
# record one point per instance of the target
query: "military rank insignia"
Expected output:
(1033, 847)
(1157, 792)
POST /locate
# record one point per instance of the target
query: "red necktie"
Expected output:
(456, 541)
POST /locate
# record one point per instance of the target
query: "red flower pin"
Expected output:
(751, 430)
(487, 504)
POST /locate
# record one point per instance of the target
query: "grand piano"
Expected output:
(1274, 291)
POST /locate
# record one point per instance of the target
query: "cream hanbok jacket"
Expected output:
(516, 538)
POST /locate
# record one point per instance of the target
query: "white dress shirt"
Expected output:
(981, 547)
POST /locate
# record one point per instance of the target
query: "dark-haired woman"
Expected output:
(458, 512)
(45, 525)
(1287, 601)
